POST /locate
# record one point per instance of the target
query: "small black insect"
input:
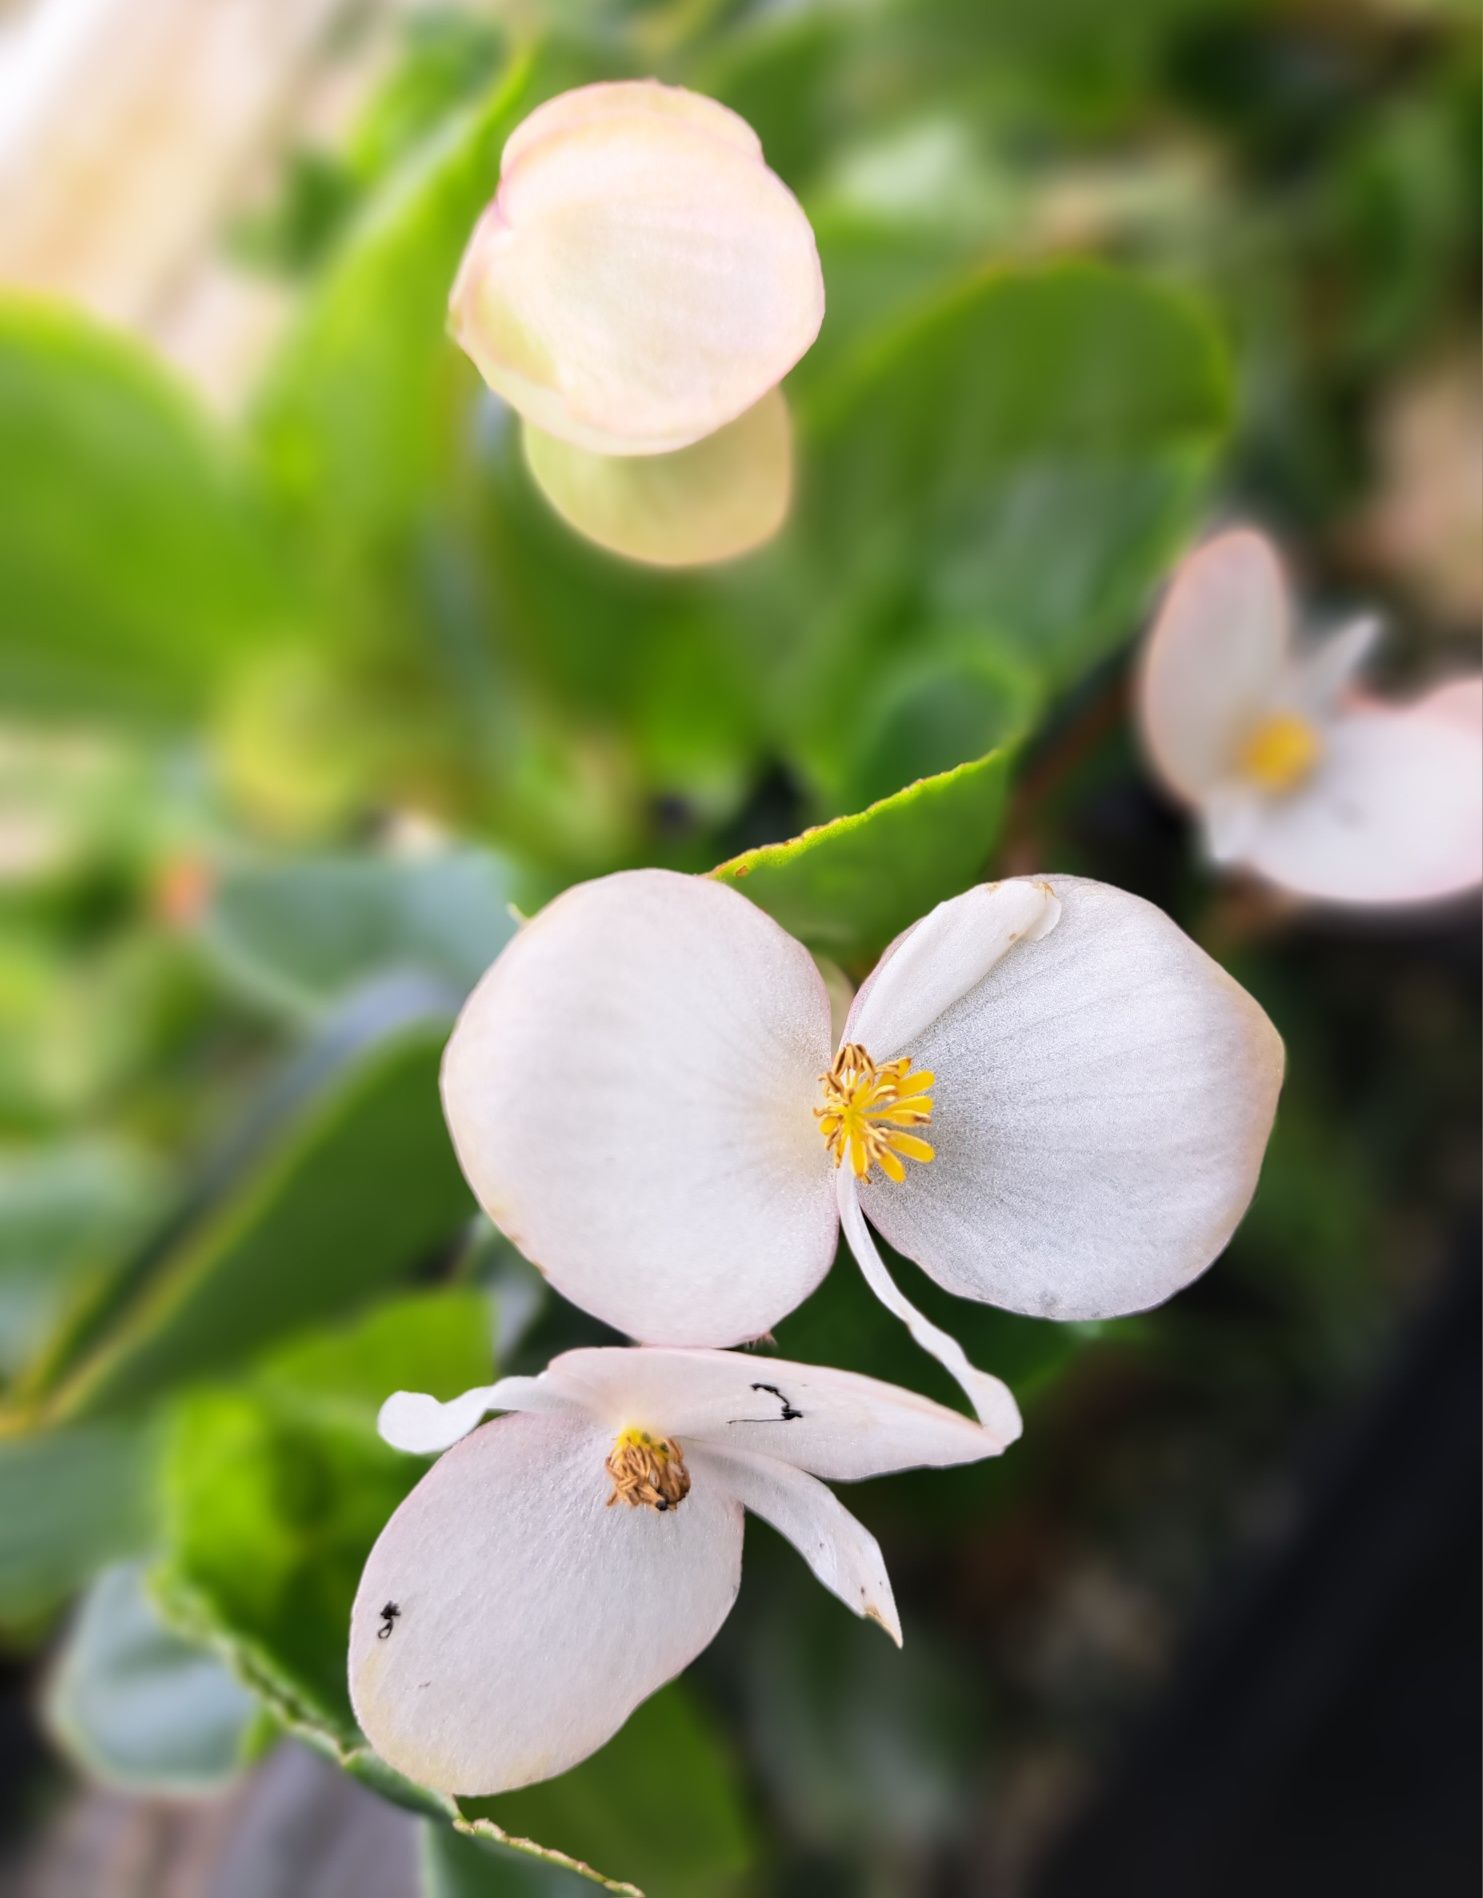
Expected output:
(388, 1619)
(789, 1413)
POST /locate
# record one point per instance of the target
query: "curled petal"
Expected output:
(1392, 814)
(712, 501)
(992, 1401)
(935, 962)
(630, 1093)
(1104, 1099)
(1329, 671)
(1214, 663)
(421, 1425)
(840, 1550)
(836, 1424)
(531, 1618)
(642, 278)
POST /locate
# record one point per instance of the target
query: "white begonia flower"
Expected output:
(1296, 776)
(565, 1561)
(641, 278)
(644, 1095)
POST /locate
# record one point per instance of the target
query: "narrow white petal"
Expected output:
(415, 1422)
(1103, 1101)
(840, 1550)
(935, 962)
(531, 1618)
(630, 1090)
(1215, 662)
(837, 1424)
(1325, 674)
(992, 1400)
(1393, 813)
(641, 279)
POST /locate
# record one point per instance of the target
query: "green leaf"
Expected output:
(71, 1501)
(347, 1180)
(277, 1487)
(1025, 455)
(134, 564)
(358, 411)
(847, 888)
(63, 1215)
(660, 1799)
(137, 1707)
(461, 1865)
(303, 933)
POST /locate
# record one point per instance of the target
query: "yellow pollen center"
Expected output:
(1280, 752)
(647, 1468)
(868, 1111)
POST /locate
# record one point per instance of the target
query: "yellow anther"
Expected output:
(868, 1110)
(1280, 752)
(647, 1468)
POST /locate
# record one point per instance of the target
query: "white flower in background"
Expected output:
(1294, 774)
(641, 278)
(636, 291)
(1045, 1095)
(564, 1561)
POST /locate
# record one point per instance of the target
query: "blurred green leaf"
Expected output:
(135, 565)
(303, 932)
(65, 1214)
(138, 1708)
(345, 1181)
(1026, 455)
(848, 887)
(70, 1502)
(456, 1865)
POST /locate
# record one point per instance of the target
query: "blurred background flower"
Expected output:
(305, 684)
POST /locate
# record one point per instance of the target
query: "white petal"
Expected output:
(992, 1401)
(935, 962)
(840, 1550)
(1103, 1100)
(1459, 702)
(618, 98)
(532, 1618)
(421, 1425)
(1215, 661)
(630, 1090)
(640, 280)
(1324, 675)
(840, 1425)
(1392, 814)
(712, 501)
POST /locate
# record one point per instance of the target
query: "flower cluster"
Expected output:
(1044, 1095)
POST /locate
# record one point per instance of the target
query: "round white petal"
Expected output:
(938, 960)
(1103, 1101)
(532, 1618)
(846, 1427)
(619, 98)
(630, 1090)
(640, 280)
(840, 1550)
(1393, 813)
(1214, 664)
(717, 499)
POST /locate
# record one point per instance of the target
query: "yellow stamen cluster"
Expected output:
(647, 1469)
(867, 1110)
(1280, 752)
